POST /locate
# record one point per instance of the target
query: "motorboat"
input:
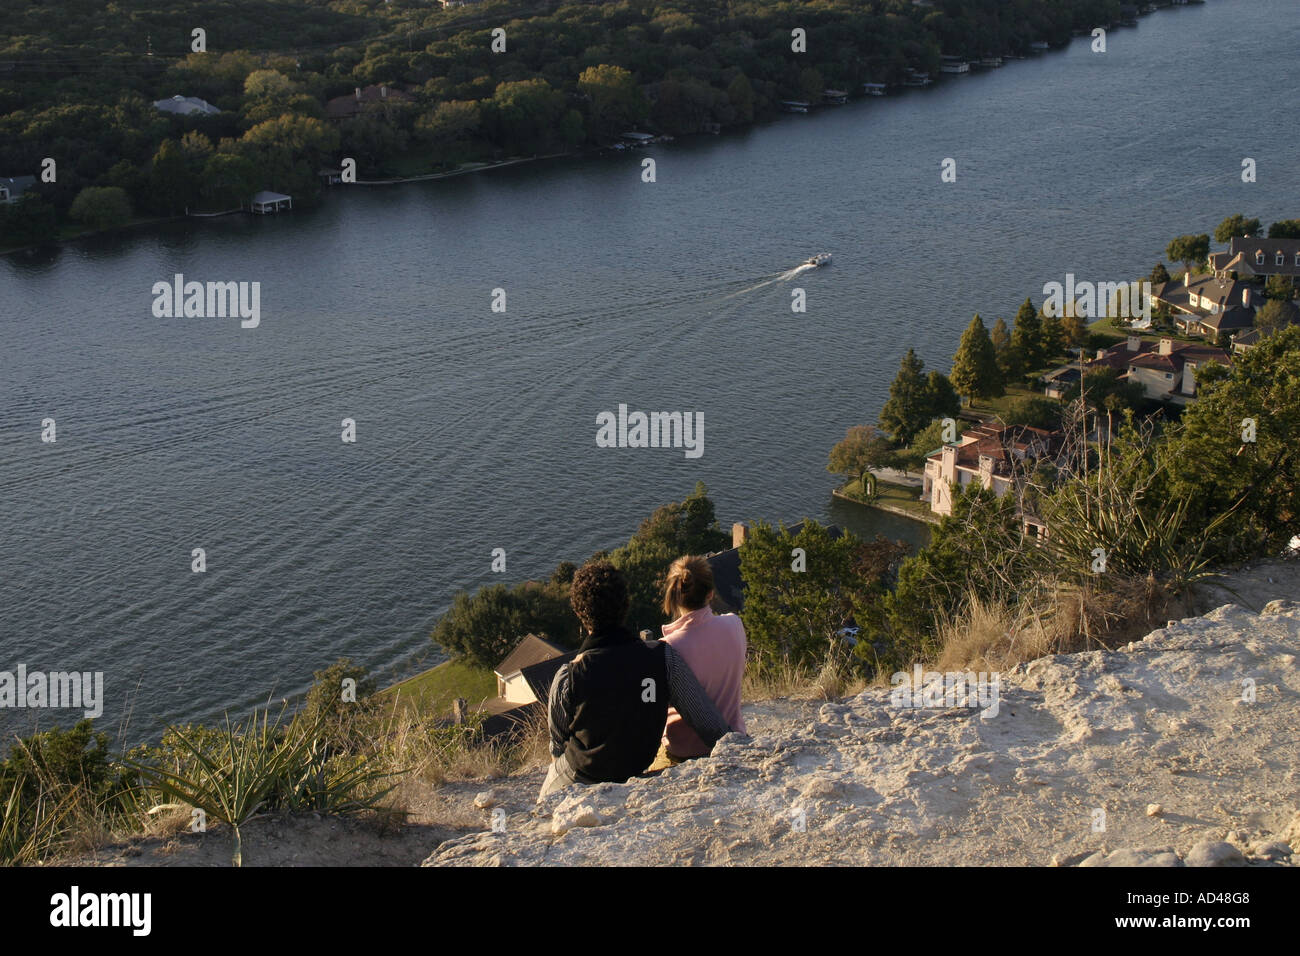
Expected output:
(821, 259)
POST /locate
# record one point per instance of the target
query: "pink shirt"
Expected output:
(714, 646)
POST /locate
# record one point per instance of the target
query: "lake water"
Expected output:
(476, 429)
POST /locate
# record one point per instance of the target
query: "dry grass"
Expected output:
(833, 680)
(1058, 619)
(416, 747)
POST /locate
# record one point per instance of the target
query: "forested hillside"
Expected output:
(78, 81)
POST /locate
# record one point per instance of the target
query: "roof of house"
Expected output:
(1064, 375)
(1223, 293)
(1244, 250)
(531, 650)
(538, 676)
(1118, 355)
(341, 107)
(1254, 335)
(728, 587)
(1002, 444)
(1237, 317)
(504, 717)
(1180, 355)
(185, 105)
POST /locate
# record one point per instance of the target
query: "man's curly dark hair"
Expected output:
(599, 596)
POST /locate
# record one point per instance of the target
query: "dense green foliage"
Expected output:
(686, 527)
(1027, 346)
(862, 449)
(1239, 446)
(1285, 229)
(1236, 225)
(1190, 250)
(802, 589)
(916, 400)
(484, 627)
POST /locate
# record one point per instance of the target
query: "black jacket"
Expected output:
(619, 686)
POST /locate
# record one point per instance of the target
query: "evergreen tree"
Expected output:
(1074, 329)
(975, 366)
(942, 399)
(907, 411)
(1053, 338)
(1027, 339)
(1009, 361)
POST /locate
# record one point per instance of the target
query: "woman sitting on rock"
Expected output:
(714, 647)
(608, 705)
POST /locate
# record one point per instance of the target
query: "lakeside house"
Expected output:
(365, 99)
(996, 456)
(13, 187)
(1262, 258)
(523, 685)
(1211, 303)
(1246, 340)
(511, 683)
(1167, 373)
(1060, 381)
(1166, 369)
(186, 106)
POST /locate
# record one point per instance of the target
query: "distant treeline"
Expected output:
(78, 85)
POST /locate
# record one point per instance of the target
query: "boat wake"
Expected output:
(789, 274)
(797, 270)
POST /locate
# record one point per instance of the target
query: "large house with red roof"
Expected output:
(1166, 370)
(994, 455)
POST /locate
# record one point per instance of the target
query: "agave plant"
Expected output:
(256, 768)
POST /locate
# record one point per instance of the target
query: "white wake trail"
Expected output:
(779, 277)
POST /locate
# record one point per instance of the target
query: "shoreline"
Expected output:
(889, 509)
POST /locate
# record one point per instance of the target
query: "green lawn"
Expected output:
(433, 691)
(1000, 406)
(899, 496)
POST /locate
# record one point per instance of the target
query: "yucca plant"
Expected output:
(1123, 506)
(253, 768)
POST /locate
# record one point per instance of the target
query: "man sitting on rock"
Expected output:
(609, 704)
